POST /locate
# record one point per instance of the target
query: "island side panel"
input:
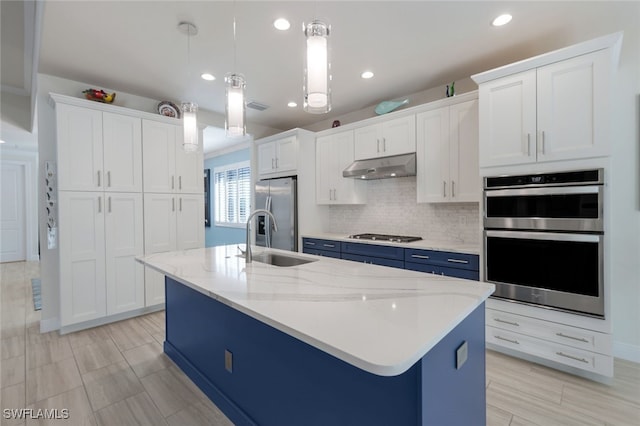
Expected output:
(452, 394)
(279, 380)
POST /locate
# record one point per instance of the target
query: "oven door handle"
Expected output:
(555, 190)
(548, 236)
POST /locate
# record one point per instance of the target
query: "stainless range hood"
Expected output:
(382, 168)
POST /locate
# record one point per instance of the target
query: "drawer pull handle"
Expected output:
(572, 357)
(507, 340)
(458, 261)
(309, 243)
(329, 245)
(579, 339)
(507, 322)
(419, 256)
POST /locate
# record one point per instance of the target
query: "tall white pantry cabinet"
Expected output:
(107, 157)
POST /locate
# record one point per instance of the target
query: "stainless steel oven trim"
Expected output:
(546, 223)
(600, 181)
(570, 302)
(556, 190)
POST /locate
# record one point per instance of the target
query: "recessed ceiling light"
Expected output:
(281, 24)
(366, 74)
(292, 104)
(207, 76)
(1, 141)
(502, 20)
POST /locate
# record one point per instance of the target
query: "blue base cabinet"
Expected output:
(276, 379)
(320, 247)
(450, 264)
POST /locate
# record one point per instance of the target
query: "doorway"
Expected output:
(12, 213)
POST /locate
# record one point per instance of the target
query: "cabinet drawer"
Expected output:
(567, 355)
(320, 244)
(325, 253)
(387, 252)
(373, 260)
(443, 258)
(443, 270)
(551, 331)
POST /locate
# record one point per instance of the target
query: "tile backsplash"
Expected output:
(392, 209)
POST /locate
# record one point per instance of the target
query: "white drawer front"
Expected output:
(554, 332)
(584, 360)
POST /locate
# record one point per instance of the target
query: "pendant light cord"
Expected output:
(235, 49)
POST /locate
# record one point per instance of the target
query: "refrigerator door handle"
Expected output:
(267, 221)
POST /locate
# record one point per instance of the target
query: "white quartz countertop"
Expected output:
(379, 319)
(423, 244)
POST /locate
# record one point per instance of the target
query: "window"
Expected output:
(232, 192)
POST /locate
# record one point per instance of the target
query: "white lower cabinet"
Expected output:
(572, 346)
(171, 222)
(100, 236)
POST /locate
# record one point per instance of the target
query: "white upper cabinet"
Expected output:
(447, 154)
(98, 151)
(79, 147)
(159, 163)
(167, 167)
(190, 221)
(390, 137)
(278, 158)
(333, 154)
(549, 113)
(122, 136)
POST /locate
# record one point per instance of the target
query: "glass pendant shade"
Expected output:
(190, 126)
(235, 105)
(317, 73)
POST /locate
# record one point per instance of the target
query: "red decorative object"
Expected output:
(99, 95)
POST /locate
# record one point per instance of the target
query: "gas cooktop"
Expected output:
(384, 237)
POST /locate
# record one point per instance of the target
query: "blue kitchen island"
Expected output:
(328, 342)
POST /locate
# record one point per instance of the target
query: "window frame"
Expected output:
(224, 169)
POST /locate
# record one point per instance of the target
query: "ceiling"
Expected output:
(136, 47)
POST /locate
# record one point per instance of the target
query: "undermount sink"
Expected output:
(279, 259)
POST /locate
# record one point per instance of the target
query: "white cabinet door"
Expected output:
(122, 136)
(79, 136)
(573, 103)
(367, 142)
(432, 152)
(325, 169)
(287, 155)
(333, 154)
(463, 152)
(189, 168)
(159, 223)
(190, 221)
(123, 242)
(82, 256)
(159, 160)
(267, 158)
(399, 135)
(391, 137)
(153, 287)
(508, 120)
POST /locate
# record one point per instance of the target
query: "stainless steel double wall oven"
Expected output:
(543, 239)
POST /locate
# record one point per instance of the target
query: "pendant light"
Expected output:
(317, 73)
(189, 109)
(235, 107)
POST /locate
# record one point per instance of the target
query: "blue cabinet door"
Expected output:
(325, 253)
(443, 258)
(443, 270)
(321, 244)
(373, 250)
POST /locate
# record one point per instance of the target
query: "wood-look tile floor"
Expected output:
(118, 375)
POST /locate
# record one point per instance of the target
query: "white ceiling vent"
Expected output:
(257, 106)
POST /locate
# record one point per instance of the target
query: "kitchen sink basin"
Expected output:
(279, 259)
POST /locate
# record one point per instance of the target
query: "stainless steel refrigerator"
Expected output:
(279, 196)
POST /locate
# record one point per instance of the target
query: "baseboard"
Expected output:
(111, 318)
(626, 351)
(50, 324)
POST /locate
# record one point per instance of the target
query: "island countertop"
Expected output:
(379, 319)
